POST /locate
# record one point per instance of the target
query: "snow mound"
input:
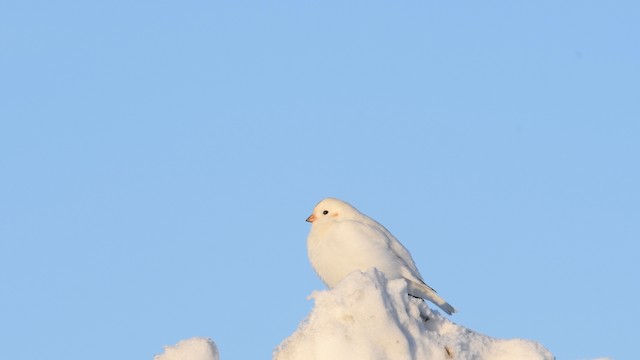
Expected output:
(368, 317)
(196, 348)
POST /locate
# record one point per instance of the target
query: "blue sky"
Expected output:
(159, 159)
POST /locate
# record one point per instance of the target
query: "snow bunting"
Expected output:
(342, 240)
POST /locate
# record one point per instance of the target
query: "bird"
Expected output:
(342, 240)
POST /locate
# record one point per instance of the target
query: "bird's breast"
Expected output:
(335, 252)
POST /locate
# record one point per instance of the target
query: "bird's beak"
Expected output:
(311, 218)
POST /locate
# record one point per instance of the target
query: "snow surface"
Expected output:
(368, 317)
(196, 348)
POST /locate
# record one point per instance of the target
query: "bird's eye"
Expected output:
(325, 212)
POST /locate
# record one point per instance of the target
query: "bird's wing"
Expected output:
(410, 271)
(401, 251)
(376, 236)
(396, 246)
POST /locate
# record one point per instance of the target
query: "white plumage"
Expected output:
(342, 240)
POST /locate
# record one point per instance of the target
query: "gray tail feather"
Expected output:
(426, 292)
(446, 307)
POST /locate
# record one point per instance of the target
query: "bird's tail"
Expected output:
(424, 291)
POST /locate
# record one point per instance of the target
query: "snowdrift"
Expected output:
(191, 349)
(368, 317)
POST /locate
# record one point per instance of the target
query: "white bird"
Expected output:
(342, 240)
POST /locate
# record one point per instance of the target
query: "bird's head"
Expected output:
(332, 209)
